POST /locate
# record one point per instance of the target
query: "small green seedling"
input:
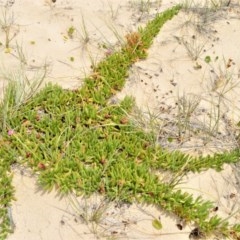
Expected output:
(71, 32)
(207, 59)
(157, 224)
(197, 66)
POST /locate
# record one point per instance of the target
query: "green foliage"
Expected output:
(6, 196)
(151, 30)
(79, 142)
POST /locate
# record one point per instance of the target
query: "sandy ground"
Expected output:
(193, 59)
